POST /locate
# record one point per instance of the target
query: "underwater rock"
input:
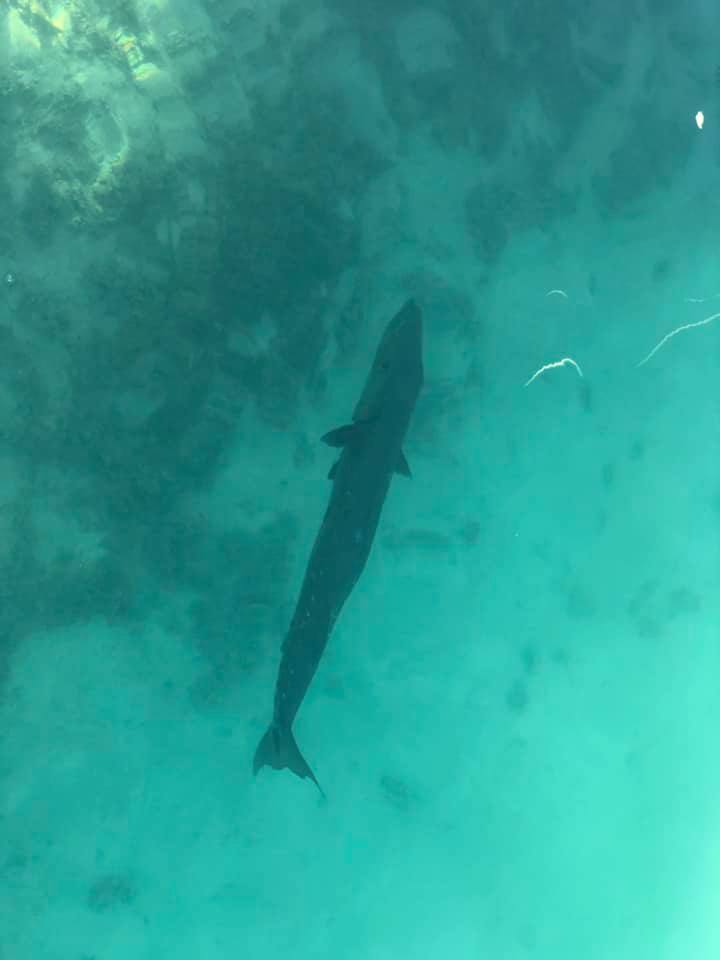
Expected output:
(110, 892)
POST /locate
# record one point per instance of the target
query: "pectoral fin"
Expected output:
(340, 436)
(403, 466)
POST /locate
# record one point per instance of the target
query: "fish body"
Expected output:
(371, 452)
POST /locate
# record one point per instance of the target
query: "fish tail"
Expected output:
(279, 750)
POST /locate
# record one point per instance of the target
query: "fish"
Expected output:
(371, 448)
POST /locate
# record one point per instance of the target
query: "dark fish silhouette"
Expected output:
(371, 453)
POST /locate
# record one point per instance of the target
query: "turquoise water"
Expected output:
(211, 212)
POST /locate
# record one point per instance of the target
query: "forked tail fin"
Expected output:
(278, 749)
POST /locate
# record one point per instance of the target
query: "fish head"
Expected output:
(397, 371)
